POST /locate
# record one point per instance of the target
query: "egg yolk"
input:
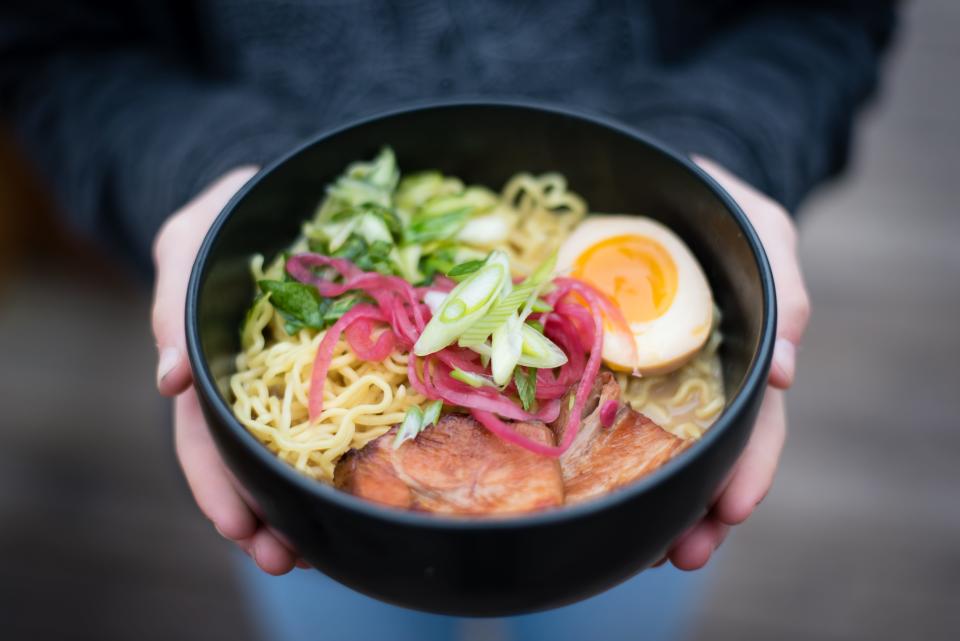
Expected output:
(637, 272)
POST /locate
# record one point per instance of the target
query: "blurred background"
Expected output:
(99, 538)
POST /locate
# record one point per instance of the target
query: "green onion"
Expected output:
(407, 261)
(539, 351)
(465, 305)
(525, 292)
(471, 379)
(541, 306)
(412, 425)
(352, 193)
(474, 199)
(431, 414)
(373, 228)
(368, 182)
(424, 229)
(417, 189)
(507, 345)
(497, 316)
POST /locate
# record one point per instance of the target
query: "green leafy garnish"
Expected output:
(464, 269)
(300, 305)
(340, 306)
(526, 382)
(367, 256)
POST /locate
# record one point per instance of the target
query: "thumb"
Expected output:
(174, 251)
(779, 238)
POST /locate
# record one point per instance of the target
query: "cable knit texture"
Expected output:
(130, 108)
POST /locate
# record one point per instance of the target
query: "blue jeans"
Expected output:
(307, 606)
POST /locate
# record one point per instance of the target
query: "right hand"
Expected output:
(216, 492)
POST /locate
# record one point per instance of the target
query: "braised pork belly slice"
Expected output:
(454, 467)
(602, 459)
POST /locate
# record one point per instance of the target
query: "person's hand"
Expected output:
(213, 487)
(753, 474)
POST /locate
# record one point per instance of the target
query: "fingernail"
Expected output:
(169, 357)
(785, 357)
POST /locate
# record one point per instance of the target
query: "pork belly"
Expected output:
(455, 467)
(602, 459)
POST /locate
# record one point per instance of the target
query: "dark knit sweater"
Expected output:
(130, 107)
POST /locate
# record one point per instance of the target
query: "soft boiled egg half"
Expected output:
(652, 276)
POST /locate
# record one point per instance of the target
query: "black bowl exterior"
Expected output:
(488, 567)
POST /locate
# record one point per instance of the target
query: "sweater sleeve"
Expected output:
(772, 95)
(122, 128)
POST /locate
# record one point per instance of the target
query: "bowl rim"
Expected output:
(757, 371)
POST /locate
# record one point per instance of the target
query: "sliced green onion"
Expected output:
(475, 199)
(497, 316)
(338, 233)
(424, 229)
(434, 299)
(465, 305)
(407, 261)
(471, 379)
(541, 306)
(454, 311)
(383, 171)
(431, 414)
(353, 192)
(416, 189)
(507, 345)
(539, 351)
(412, 425)
(373, 228)
(525, 294)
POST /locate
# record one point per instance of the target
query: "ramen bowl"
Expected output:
(489, 566)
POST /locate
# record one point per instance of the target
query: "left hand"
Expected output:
(753, 474)
(219, 496)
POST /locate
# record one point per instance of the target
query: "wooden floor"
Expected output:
(860, 539)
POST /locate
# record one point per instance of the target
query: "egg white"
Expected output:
(668, 341)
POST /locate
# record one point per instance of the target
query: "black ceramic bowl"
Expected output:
(501, 566)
